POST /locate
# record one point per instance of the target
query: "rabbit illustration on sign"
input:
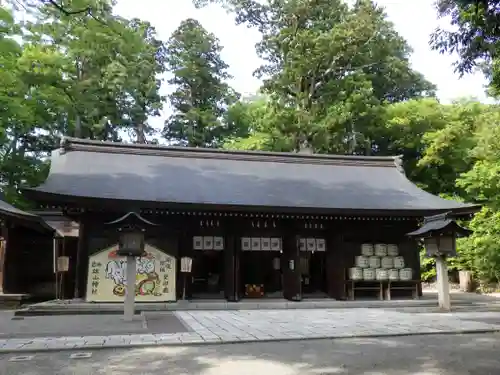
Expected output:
(116, 271)
(145, 265)
(147, 280)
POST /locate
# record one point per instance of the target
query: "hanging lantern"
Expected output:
(131, 242)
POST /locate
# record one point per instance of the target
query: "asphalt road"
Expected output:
(417, 355)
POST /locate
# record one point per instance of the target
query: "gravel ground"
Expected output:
(418, 355)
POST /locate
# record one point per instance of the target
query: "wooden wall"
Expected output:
(174, 235)
(28, 265)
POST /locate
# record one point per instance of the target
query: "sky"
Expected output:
(415, 20)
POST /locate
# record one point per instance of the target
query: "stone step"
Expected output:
(84, 308)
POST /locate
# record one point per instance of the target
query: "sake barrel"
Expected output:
(392, 250)
(399, 262)
(374, 262)
(381, 250)
(367, 249)
(393, 274)
(405, 273)
(387, 262)
(381, 274)
(362, 261)
(368, 274)
(355, 273)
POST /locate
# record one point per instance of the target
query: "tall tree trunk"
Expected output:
(141, 137)
(78, 127)
(78, 119)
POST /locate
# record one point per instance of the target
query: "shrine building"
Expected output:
(256, 224)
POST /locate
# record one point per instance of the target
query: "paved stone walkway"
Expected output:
(209, 327)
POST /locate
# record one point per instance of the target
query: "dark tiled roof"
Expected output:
(148, 173)
(23, 217)
(9, 210)
(439, 224)
(63, 226)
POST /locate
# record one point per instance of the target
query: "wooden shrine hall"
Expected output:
(255, 224)
(28, 244)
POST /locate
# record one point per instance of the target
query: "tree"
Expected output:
(480, 252)
(402, 130)
(201, 94)
(141, 68)
(331, 65)
(449, 150)
(260, 125)
(22, 115)
(475, 37)
(100, 69)
(476, 33)
(71, 76)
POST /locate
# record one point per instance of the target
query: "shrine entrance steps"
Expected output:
(80, 307)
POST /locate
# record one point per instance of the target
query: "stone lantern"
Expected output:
(131, 229)
(439, 233)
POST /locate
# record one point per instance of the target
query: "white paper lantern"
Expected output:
(399, 262)
(392, 250)
(405, 274)
(387, 262)
(374, 262)
(367, 249)
(355, 273)
(381, 250)
(362, 261)
(393, 274)
(368, 274)
(381, 274)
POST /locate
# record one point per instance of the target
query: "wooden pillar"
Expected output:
(230, 287)
(291, 268)
(179, 276)
(335, 267)
(3, 255)
(81, 262)
(185, 250)
(409, 250)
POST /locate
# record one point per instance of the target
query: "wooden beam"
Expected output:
(80, 253)
(3, 254)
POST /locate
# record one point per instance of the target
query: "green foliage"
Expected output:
(474, 37)
(475, 34)
(336, 79)
(201, 94)
(329, 68)
(427, 267)
(92, 75)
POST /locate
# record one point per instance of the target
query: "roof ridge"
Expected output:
(80, 144)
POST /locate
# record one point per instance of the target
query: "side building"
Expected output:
(256, 224)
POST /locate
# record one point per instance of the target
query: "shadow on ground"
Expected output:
(88, 325)
(423, 355)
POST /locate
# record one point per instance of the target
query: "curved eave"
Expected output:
(29, 220)
(120, 205)
(105, 175)
(438, 227)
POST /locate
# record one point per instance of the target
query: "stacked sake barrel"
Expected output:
(379, 262)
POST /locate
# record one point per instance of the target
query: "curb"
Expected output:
(246, 341)
(45, 311)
